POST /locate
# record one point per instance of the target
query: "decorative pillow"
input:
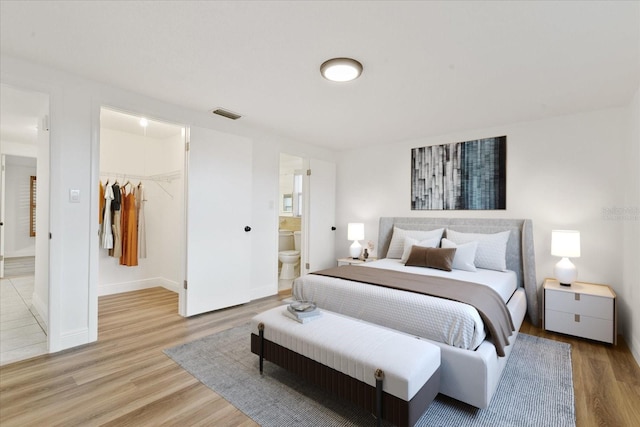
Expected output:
(396, 247)
(492, 248)
(409, 242)
(431, 257)
(465, 254)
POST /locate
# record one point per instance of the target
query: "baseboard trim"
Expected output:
(136, 285)
(262, 292)
(634, 346)
(74, 339)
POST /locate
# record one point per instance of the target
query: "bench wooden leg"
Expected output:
(379, 378)
(261, 332)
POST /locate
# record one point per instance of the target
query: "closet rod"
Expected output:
(163, 177)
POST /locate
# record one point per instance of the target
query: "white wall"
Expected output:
(561, 173)
(74, 112)
(122, 154)
(629, 294)
(18, 242)
(18, 149)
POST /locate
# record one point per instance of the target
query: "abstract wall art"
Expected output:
(470, 175)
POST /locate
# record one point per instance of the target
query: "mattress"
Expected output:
(449, 322)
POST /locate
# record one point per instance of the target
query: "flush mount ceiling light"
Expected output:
(341, 69)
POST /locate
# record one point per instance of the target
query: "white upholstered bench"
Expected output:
(384, 371)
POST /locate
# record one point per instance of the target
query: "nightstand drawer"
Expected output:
(582, 304)
(579, 325)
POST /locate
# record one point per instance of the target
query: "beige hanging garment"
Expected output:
(142, 236)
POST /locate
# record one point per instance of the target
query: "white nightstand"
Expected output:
(351, 261)
(584, 310)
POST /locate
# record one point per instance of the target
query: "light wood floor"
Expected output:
(125, 379)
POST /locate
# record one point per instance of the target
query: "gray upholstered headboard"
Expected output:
(520, 252)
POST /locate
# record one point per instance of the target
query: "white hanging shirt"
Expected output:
(107, 234)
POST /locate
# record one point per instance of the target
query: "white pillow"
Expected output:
(410, 242)
(396, 247)
(492, 248)
(464, 256)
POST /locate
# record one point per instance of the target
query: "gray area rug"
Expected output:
(536, 387)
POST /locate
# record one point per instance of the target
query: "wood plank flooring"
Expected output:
(125, 379)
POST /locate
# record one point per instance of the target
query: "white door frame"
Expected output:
(2, 210)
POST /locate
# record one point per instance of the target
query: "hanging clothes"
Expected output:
(115, 205)
(139, 194)
(107, 236)
(101, 208)
(116, 227)
(129, 229)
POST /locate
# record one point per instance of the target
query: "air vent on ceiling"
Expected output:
(226, 113)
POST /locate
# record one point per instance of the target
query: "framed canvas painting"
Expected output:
(470, 175)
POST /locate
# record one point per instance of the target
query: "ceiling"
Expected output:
(126, 122)
(430, 68)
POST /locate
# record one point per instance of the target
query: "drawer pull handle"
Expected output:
(577, 297)
(576, 318)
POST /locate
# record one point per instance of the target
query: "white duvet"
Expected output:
(450, 322)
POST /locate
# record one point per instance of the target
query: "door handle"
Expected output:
(247, 229)
(333, 228)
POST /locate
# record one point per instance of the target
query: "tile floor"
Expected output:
(284, 285)
(22, 331)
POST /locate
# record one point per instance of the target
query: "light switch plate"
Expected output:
(74, 195)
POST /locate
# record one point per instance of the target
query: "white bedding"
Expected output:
(450, 322)
(503, 282)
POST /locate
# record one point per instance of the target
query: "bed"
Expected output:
(471, 364)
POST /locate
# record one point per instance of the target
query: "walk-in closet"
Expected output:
(142, 203)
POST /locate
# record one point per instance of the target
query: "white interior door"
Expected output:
(218, 211)
(2, 204)
(321, 214)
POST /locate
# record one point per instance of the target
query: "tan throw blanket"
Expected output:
(492, 309)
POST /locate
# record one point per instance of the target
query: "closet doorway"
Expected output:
(142, 203)
(197, 211)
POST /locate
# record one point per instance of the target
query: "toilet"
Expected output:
(289, 253)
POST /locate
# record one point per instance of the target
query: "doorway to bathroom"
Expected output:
(290, 218)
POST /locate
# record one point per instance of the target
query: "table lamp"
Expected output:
(565, 244)
(355, 232)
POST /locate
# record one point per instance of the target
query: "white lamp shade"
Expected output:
(355, 231)
(565, 243)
